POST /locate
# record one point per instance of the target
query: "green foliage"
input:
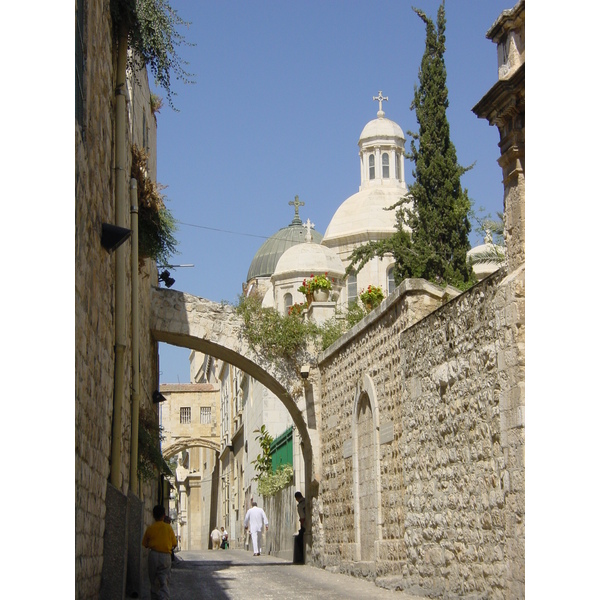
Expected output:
(437, 208)
(333, 329)
(275, 335)
(156, 224)
(492, 231)
(156, 103)
(271, 483)
(150, 459)
(153, 35)
(354, 314)
(279, 336)
(263, 462)
(297, 308)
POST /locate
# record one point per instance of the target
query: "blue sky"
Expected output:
(282, 92)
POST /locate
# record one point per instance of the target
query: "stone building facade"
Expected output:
(190, 418)
(110, 512)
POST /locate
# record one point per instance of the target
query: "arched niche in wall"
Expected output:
(366, 469)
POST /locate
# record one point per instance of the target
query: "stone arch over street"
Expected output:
(187, 321)
(173, 449)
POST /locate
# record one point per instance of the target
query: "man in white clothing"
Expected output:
(255, 518)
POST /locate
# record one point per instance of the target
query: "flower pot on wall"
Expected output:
(321, 295)
(309, 298)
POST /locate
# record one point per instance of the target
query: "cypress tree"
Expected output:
(436, 249)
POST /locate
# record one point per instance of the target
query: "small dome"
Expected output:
(381, 128)
(303, 259)
(482, 270)
(265, 260)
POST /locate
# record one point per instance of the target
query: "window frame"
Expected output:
(385, 165)
(185, 415)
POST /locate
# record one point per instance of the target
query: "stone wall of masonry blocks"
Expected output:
(449, 410)
(94, 290)
(94, 309)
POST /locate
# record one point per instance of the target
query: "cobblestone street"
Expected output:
(238, 575)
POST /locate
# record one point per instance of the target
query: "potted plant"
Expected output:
(371, 297)
(316, 287)
(321, 286)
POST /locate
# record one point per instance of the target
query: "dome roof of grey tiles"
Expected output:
(265, 260)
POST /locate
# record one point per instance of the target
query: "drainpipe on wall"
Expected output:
(135, 341)
(121, 216)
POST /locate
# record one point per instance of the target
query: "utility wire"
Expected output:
(264, 237)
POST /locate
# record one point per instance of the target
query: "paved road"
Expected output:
(238, 575)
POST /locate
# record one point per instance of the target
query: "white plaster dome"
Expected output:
(381, 127)
(364, 217)
(308, 258)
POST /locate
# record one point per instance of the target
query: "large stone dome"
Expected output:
(265, 260)
(364, 217)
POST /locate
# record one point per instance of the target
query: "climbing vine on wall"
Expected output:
(275, 335)
(153, 34)
(269, 482)
(155, 221)
(150, 458)
(283, 336)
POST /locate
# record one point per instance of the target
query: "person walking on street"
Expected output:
(215, 537)
(255, 519)
(224, 538)
(160, 539)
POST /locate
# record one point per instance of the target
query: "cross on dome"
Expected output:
(296, 204)
(381, 98)
(308, 226)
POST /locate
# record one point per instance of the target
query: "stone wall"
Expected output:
(94, 309)
(440, 405)
(94, 325)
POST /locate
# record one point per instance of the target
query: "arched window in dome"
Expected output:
(391, 283)
(371, 167)
(287, 302)
(385, 162)
(352, 289)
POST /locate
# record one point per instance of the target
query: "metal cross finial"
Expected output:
(296, 203)
(308, 226)
(381, 99)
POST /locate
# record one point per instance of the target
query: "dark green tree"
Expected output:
(437, 207)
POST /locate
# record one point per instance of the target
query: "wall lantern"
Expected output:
(113, 236)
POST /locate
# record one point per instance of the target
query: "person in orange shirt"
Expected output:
(160, 539)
